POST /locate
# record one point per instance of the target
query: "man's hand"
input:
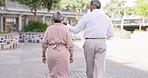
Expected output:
(44, 60)
(65, 21)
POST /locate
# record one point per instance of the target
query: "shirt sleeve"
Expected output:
(80, 26)
(110, 32)
(44, 40)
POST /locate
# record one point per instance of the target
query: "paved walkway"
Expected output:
(25, 62)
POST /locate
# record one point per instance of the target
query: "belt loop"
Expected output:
(56, 46)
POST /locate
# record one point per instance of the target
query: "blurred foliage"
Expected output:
(32, 4)
(34, 26)
(51, 4)
(73, 4)
(142, 7)
(2, 3)
(35, 4)
(118, 8)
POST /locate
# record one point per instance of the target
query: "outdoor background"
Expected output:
(23, 23)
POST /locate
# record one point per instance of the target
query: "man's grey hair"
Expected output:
(57, 17)
(97, 3)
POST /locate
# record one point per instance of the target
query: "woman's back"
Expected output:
(57, 33)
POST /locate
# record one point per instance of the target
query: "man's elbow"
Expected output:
(110, 36)
(75, 32)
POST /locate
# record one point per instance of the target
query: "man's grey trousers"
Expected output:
(95, 52)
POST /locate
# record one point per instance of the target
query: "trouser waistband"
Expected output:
(94, 38)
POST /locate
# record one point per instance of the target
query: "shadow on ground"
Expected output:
(113, 69)
(25, 62)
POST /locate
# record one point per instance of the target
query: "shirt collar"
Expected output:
(96, 10)
(58, 24)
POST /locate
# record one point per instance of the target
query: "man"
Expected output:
(97, 27)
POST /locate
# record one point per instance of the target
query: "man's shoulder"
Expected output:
(107, 17)
(86, 15)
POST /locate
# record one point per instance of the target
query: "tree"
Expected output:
(115, 8)
(32, 4)
(129, 11)
(142, 8)
(35, 4)
(2, 3)
(51, 4)
(73, 5)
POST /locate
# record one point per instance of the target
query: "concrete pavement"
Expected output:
(25, 62)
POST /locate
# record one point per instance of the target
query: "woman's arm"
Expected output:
(44, 46)
(70, 45)
(44, 54)
(44, 51)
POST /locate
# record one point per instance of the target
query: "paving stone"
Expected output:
(25, 62)
(9, 70)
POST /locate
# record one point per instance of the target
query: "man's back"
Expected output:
(96, 24)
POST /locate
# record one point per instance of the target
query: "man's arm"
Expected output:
(80, 26)
(110, 31)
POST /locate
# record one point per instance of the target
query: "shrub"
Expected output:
(132, 28)
(34, 26)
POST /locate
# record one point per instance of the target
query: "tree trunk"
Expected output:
(35, 16)
(140, 26)
(34, 11)
(78, 14)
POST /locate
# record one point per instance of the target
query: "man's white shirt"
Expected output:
(95, 24)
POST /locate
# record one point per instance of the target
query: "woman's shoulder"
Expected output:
(62, 28)
(49, 27)
(65, 28)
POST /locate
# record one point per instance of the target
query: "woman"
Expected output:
(57, 39)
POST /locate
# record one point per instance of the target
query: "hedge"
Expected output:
(35, 26)
(132, 28)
